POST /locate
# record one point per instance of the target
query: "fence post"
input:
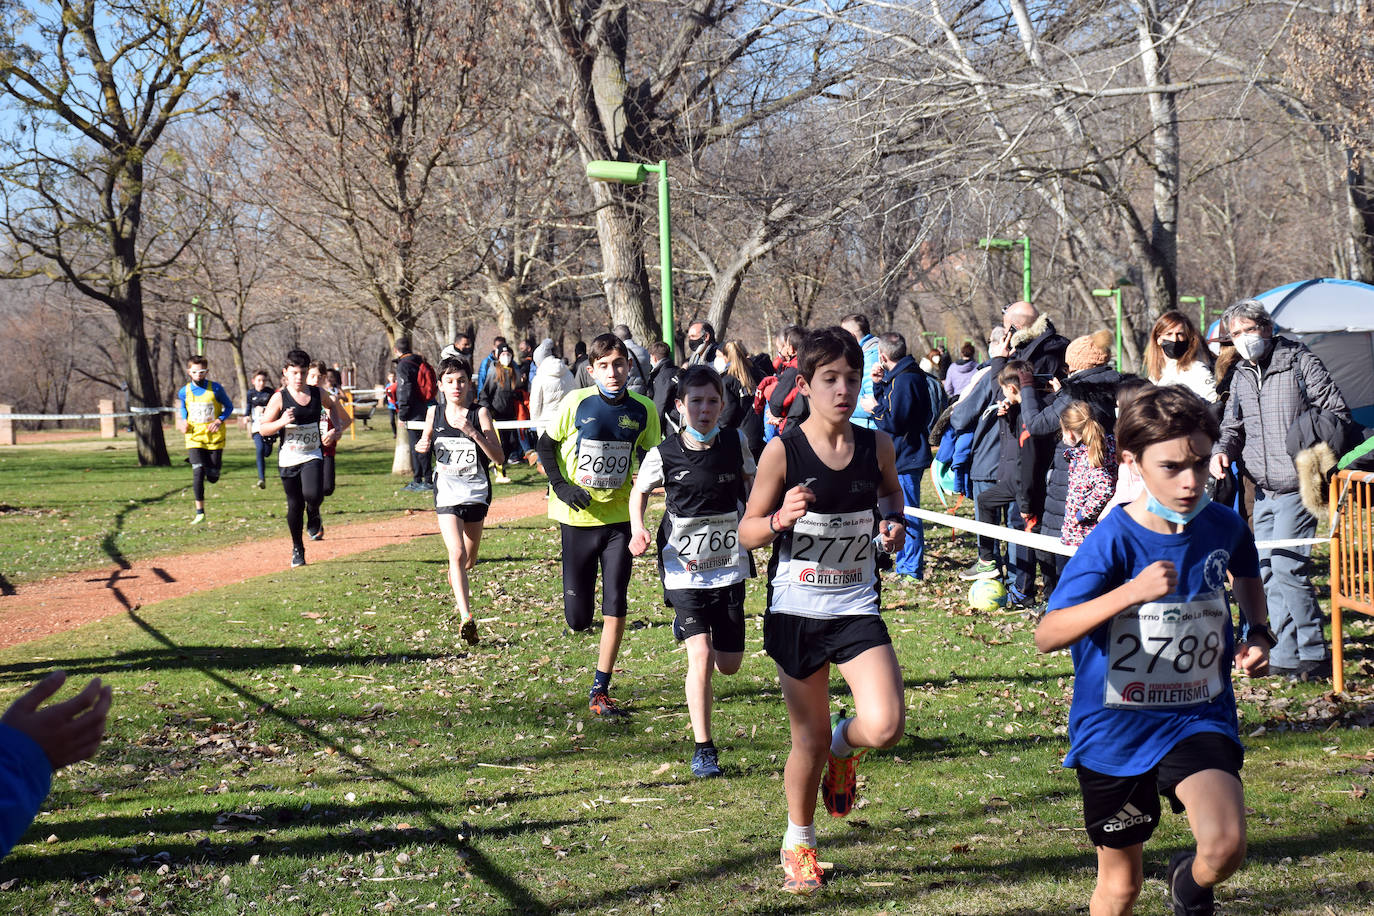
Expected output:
(105, 407)
(6, 426)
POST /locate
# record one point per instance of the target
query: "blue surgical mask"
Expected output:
(607, 393)
(703, 438)
(1155, 507)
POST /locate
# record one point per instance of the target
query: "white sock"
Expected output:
(799, 836)
(838, 746)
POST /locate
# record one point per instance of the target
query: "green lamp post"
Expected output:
(1114, 293)
(195, 320)
(635, 173)
(1201, 311)
(991, 244)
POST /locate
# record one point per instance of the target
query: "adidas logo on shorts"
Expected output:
(1128, 816)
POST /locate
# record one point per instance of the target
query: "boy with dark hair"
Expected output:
(1143, 606)
(705, 473)
(295, 411)
(590, 453)
(202, 408)
(814, 499)
(465, 445)
(253, 408)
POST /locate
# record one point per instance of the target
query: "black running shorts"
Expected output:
(472, 512)
(802, 645)
(1121, 811)
(717, 612)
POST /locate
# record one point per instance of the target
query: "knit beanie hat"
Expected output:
(1089, 351)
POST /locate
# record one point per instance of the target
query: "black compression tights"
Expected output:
(205, 465)
(583, 550)
(303, 494)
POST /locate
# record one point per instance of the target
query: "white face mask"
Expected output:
(1251, 347)
(505, 359)
(720, 363)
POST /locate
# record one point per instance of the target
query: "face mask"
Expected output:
(703, 438)
(466, 354)
(720, 363)
(1251, 347)
(1174, 349)
(607, 393)
(693, 342)
(1155, 507)
(505, 359)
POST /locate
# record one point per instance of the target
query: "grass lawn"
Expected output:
(83, 504)
(320, 741)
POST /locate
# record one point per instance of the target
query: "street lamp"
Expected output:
(635, 173)
(1201, 312)
(990, 244)
(195, 320)
(1114, 293)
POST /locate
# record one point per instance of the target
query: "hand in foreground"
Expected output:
(1218, 466)
(68, 731)
(1155, 581)
(639, 542)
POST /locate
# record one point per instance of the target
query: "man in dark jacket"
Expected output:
(1029, 335)
(410, 410)
(662, 379)
(1277, 381)
(903, 412)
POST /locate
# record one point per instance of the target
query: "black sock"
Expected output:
(601, 683)
(1187, 891)
(705, 744)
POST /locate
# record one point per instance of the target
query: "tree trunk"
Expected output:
(138, 368)
(235, 342)
(620, 233)
(1359, 207)
(512, 311)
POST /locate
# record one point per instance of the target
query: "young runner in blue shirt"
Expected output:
(1143, 606)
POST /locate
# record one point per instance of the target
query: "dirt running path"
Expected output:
(64, 603)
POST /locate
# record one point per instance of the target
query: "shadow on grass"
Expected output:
(427, 809)
(109, 542)
(232, 658)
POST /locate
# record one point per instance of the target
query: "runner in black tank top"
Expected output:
(814, 500)
(464, 446)
(295, 411)
(705, 473)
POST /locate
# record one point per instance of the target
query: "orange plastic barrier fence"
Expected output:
(1352, 558)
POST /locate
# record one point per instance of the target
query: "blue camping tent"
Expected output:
(1335, 318)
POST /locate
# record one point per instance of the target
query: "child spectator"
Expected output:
(1128, 482)
(1091, 453)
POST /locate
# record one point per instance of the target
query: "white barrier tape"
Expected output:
(1053, 545)
(136, 412)
(517, 424)
(1000, 532)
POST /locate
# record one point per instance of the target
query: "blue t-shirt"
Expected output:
(1158, 672)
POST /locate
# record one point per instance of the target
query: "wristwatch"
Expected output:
(1262, 630)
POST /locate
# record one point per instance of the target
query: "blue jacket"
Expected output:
(25, 778)
(862, 417)
(975, 414)
(904, 413)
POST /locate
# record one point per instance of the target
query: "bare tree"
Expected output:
(365, 104)
(645, 82)
(93, 86)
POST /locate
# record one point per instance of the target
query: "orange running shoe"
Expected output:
(840, 784)
(602, 705)
(801, 870)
